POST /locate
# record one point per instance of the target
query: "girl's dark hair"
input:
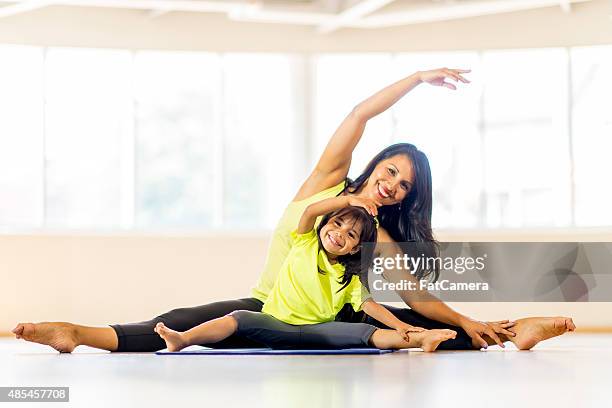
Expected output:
(358, 263)
(410, 221)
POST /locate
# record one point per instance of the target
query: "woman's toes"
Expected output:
(18, 330)
(26, 331)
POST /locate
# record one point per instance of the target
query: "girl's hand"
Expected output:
(368, 204)
(437, 77)
(406, 328)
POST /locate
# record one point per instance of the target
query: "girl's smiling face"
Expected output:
(390, 181)
(341, 235)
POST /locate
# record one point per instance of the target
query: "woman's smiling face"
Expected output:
(390, 181)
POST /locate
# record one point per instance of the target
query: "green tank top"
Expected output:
(307, 290)
(282, 241)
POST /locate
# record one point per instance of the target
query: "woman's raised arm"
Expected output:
(333, 166)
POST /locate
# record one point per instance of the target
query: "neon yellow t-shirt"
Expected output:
(303, 295)
(281, 241)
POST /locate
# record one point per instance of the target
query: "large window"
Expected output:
(341, 81)
(444, 124)
(108, 139)
(87, 120)
(21, 142)
(523, 146)
(177, 124)
(592, 134)
(117, 139)
(525, 138)
(262, 111)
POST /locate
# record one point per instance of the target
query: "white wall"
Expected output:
(102, 279)
(107, 279)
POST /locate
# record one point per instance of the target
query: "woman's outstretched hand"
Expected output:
(476, 329)
(503, 327)
(438, 77)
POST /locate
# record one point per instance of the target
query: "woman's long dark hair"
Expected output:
(356, 264)
(410, 221)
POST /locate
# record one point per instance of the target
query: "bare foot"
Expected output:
(429, 340)
(532, 330)
(174, 340)
(59, 335)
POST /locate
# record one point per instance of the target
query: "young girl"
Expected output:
(320, 275)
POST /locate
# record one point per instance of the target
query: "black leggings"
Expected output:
(280, 335)
(140, 337)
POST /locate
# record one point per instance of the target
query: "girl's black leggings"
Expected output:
(140, 337)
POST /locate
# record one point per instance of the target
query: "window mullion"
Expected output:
(219, 136)
(44, 137)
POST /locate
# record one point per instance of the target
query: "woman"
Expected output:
(399, 180)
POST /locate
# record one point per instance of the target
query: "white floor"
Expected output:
(570, 371)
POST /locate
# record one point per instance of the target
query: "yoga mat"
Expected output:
(267, 351)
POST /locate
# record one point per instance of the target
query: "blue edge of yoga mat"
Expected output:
(267, 351)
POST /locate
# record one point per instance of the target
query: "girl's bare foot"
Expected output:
(175, 341)
(429, 340)
(59, 335)
(532, 330)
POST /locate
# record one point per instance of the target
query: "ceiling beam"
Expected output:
(278, 17)
(356, 16)
(353, 13)
(453, 12)
(235, 11)
(157, 13)
(566, 6)
(202, 6)
(331, 6)
(22, 7)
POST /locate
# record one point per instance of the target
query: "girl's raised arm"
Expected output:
(333, 166)
(314, 210)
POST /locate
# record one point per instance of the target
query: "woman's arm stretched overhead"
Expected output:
(333, 166)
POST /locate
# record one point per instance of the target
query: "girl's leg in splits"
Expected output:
(206, 333)
(349, 335)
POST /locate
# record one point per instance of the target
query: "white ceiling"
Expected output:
(325, 16)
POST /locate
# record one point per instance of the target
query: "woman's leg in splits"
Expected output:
(136, 337)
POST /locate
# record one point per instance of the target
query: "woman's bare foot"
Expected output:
(175, 341)
(429, 340)
(59, 335)
(532, 330)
